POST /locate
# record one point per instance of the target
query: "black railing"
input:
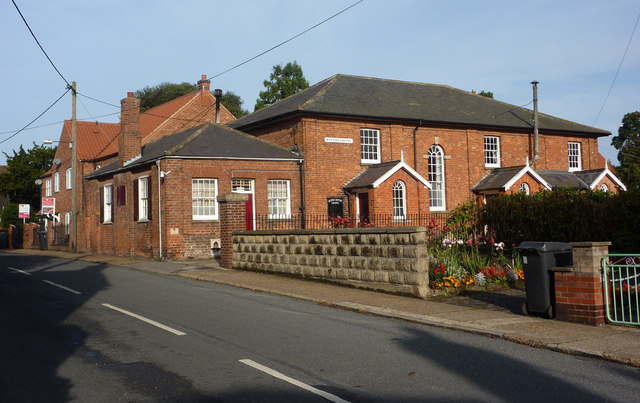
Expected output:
(429, 220)
(60, 235)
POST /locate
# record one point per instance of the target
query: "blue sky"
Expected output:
(573, 48)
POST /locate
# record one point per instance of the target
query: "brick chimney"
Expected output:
(204, 88)
(129, 143)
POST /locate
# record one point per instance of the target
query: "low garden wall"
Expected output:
(388, 259)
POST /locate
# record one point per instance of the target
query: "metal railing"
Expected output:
(60, 235)
(309, 221)
(621, 282)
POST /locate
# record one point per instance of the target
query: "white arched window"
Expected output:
(524, 188)
(436, 177)
(604, 188)
(399, 201)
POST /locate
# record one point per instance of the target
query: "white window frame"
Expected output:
(67, 222)
(524, 188)
(279, 198)
(492, 151)
(143, 198)
(604, 188)
(437, 179)
(369, 146)
(47, 187)
(69, 179)
(107, 202)
(204, 199)
(575, 156)
(399, 200)
(56, 182)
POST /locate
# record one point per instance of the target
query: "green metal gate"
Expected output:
(621, 282)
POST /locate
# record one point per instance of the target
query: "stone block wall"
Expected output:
(389, 259)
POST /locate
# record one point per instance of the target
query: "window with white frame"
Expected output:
(370, 146)
(604, 188)
(67, 222)
(107, 203)
(69, 181)
(491, 151)
(524, 188)
(436, 178)
(47, 187)
(204, 205)
(143, 198)
(399, 201)
(242, 185)
(575, 159)
(56, 182)
(278, 199)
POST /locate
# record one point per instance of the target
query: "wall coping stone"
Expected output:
(331, 231)
(233, 197)
(589, 244)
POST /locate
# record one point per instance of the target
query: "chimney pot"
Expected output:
(129, 94)
(204, 76)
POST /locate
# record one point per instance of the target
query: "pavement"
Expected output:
(491, 313)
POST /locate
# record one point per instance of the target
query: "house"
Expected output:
(348, 126)
(160, 199)
(97, 146)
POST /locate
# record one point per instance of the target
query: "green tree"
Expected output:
(23, 168)
(487, 94)
(233, 103)
(162, 93)
(283, 82)
(628, 143)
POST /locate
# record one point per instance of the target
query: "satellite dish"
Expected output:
(38, 181)
(57, 161)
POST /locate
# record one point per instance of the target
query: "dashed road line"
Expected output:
(71, 290)
(19, 271)
(276, 374)
(142, 318)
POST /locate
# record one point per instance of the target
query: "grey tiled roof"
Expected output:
(364, 97)
(563, 179)
(589, 176)
(367, 177)
(497, 178)
(208, 141)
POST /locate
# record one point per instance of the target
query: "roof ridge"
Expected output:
(330, 82)
(189, 139)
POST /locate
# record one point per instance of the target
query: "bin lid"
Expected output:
(544, 246)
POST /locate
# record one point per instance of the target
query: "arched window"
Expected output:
(604, 188)
(436, 177)
(524, 188)
(399, 200)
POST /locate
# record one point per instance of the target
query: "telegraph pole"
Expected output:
(74, 172)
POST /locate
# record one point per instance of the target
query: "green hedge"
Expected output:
(566, 215)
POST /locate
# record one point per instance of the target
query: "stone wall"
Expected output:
(389, 259)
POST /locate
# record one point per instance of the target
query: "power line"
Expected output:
(38, 117)
(38, 42)
(288, 40)
(617, 72)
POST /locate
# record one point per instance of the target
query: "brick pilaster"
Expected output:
(579, 293)
(232, 218)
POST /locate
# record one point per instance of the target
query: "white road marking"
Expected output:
(62, 287)
(142, 318)
(292, 381)
(19, 271)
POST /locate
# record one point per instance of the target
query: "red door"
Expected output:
(248, 212)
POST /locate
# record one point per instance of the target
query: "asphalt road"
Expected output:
(80, 331)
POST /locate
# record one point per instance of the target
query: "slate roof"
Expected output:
(208, 141)
(589, 176)
(497, 178)
(374, 98)
(367, 177)
(565, 179)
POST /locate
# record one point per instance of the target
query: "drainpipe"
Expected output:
(297, 151)
(217, 93)
(415, 147)
(536, 153)
(159, 209)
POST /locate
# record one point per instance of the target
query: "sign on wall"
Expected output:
(48, 205)
(338, 140)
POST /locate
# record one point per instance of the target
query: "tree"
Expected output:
(23, 168)
(162, 93)
(628, 143)
(487, 94)
(233, 103)
(283, 82)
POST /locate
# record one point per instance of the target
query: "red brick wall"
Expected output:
(328, 166)
(579, 298)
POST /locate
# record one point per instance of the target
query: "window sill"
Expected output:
(107, 222)
(143, 220)
(205, 219)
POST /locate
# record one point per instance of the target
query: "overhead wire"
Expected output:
(617, 72)
(38, 42)
(37, 117)
(288, 40)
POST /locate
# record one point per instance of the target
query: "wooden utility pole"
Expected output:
(74, 172)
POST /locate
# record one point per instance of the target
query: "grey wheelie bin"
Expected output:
(538, 259)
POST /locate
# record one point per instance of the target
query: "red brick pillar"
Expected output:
(579, 293)
(232, 218)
